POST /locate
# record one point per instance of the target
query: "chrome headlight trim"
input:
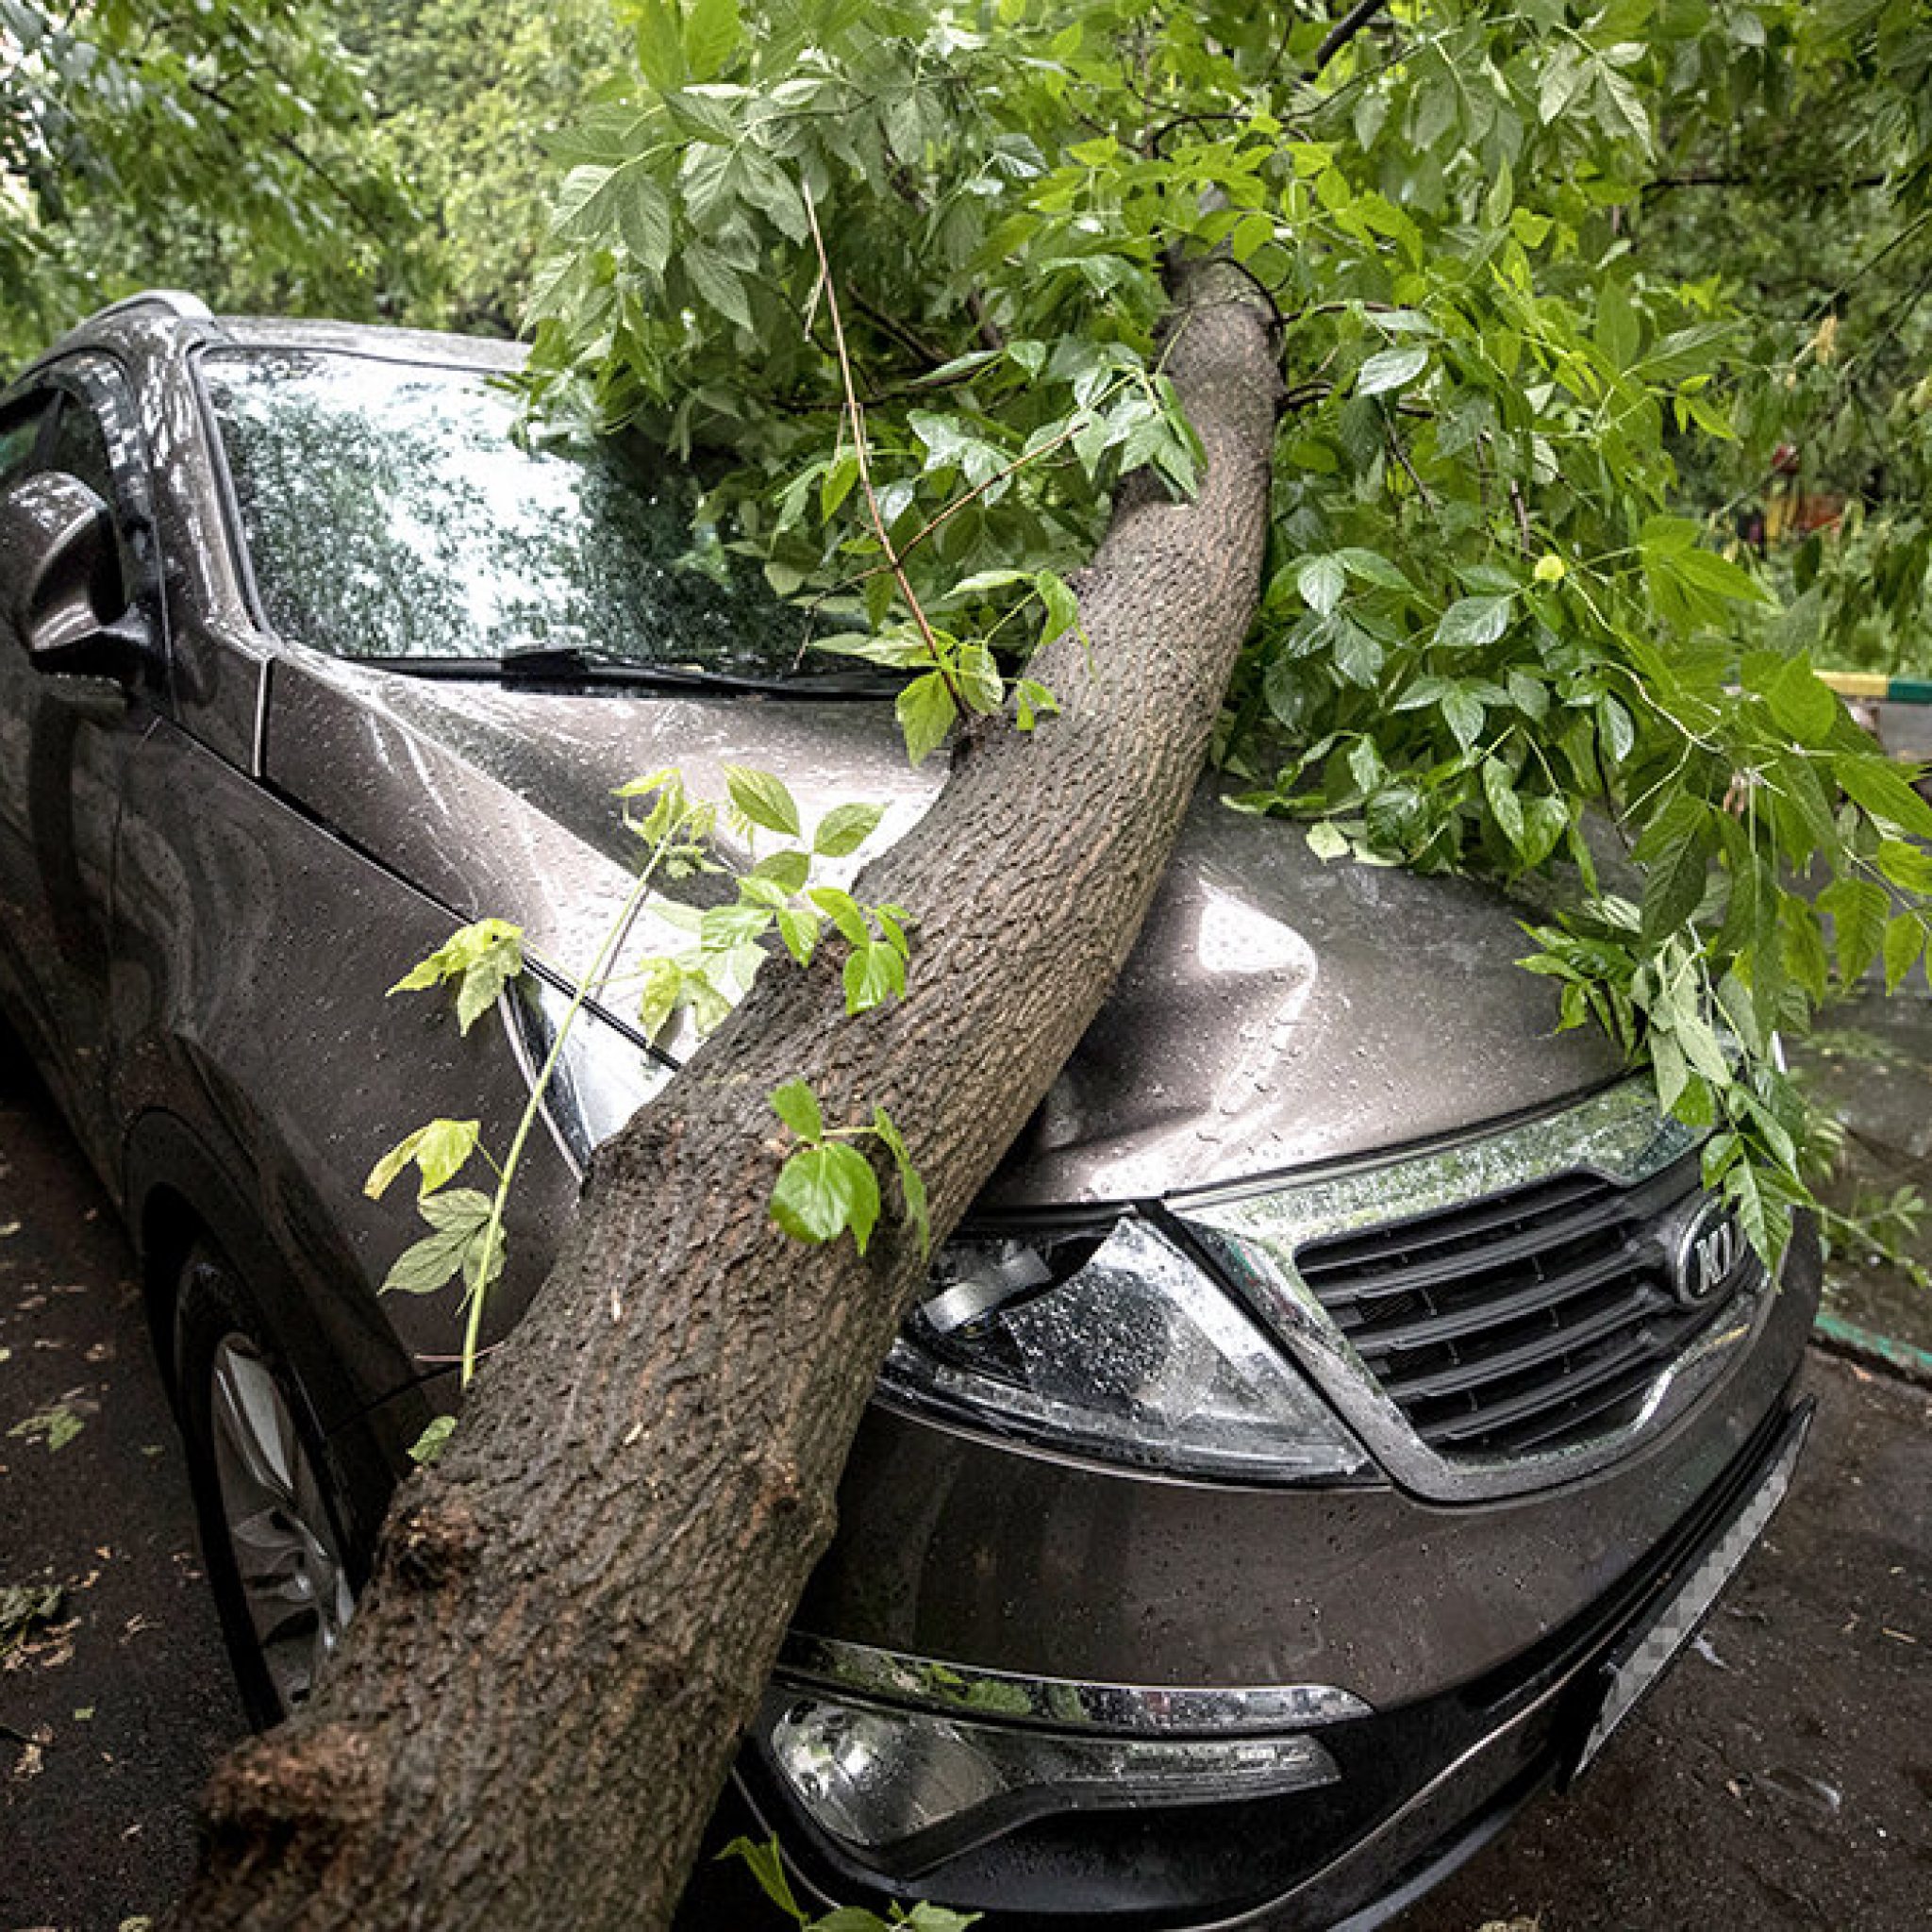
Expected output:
(1253, 1231)
(1064, 1703)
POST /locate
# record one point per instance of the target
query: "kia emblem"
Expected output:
(1707, 1255)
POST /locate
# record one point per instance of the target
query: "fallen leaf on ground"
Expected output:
(57, 1426)
(23, 1606)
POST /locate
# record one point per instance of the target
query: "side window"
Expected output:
(78, 447)
(77, 444)
(20, 430)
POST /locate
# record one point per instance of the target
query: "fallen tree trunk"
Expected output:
(574, 1613)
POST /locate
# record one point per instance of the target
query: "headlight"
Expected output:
(1117, 1344)
(909, 1788)
(603, 1076)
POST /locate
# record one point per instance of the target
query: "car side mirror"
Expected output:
(60, 583)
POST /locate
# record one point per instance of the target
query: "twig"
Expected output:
(979, 490)
(1765, 181)
(984, 325)
(1344, 31)
(888, 324)
(951, 510)
(1422, 488)
(1522, 515)
(855, 411)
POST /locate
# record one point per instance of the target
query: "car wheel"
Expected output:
(269, 1525)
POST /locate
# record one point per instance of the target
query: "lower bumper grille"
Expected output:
(1528, 1319)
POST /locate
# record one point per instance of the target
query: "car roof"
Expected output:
(188, 320)
(368, 338)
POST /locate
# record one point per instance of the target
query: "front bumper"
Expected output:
(1420, 1787)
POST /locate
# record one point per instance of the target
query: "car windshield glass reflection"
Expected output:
(394, 509)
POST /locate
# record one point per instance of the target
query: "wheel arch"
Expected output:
(181, 1193)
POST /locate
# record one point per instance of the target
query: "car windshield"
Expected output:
(398, 511)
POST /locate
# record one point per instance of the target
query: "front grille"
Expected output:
(1524, 1320)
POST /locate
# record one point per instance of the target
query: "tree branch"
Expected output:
(1344, 31)
(856, 411)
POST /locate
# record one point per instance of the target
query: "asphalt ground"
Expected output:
(1780, 1776)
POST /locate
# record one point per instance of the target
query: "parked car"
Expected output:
(1338, 1408)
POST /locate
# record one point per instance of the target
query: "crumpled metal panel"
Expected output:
(1276, 1013)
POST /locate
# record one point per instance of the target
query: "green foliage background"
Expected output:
(1557, 283)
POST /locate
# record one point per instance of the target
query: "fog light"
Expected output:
(918, 1788)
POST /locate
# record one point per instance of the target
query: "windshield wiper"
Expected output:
(578, 667)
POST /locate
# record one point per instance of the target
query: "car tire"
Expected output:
(271, 1521)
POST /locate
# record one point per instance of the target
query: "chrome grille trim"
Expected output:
(1608, 1163)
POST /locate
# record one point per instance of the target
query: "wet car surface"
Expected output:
(1341, 1382)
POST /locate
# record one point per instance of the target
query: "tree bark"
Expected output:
(575, 1611)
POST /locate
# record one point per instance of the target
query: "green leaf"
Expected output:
(1463, 713)
(1373, 568)
(457, 1218)
(1675, 886)
(874, 974)
(1872, 782)
(663, 988)
(1391, 369)
(1805, 957)
(438, 1150)
(1804, 705)
(1530, 695)
(482, 959)
(846, 829)
(1857, 910)
(1060, 604)
(429, 1446)
(659, 44)
(1908, 867)
(1672, 1075)
(1322, 581)
(797, 1106)
(1619, 733)
(712, 34)
(800, 932)
(821, 1190)
(928, 1916)
(925, 712)
(842, 910)
(717, 283)
(1475, 621)
(1904, 939)
(768, 1868)
(1506, 808)
(762, 798)
(1032, 701)
(976, 674)
(786, 870)
(912, 1183)
(1707, 570)
(742, 923)
(1328, 841)
(644, 219)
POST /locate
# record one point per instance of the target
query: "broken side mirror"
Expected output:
(61, 590)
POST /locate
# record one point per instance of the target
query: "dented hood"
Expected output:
(1276, 1013)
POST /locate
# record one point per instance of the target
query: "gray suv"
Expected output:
(1337, 1409)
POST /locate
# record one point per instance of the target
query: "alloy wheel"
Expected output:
(286, 1555)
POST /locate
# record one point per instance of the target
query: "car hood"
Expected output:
(1277, 1012)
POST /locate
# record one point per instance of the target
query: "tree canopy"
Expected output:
(1504, 602)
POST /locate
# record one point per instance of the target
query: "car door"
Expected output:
(64, 745)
